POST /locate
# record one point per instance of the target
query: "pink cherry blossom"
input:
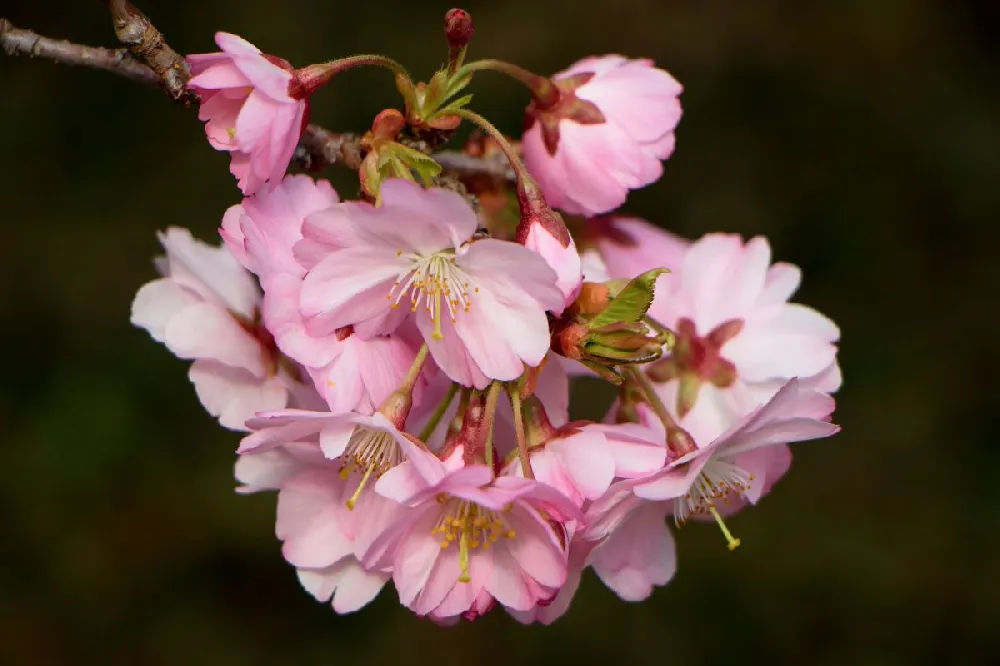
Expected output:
(717, 477)
(606, 134)
(465, 534)
(365, 446)
(324, 466)
(204, 308)
(247, 109)
(480, 304)
(738, 337)
(351, 374)
(321, 519)
(321, 535)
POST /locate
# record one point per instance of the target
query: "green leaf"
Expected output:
(424, 166)
(458, 84)
(454, 106)
(631, 304)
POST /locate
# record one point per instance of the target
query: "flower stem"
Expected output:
(438, 414)
(522, 441)
(414, 373)
(649, 392)
(544, 91)
(491, 409)
(520, 171)
(307, 80)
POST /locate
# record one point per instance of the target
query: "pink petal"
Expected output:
(157, 302)
(639, 555)
(535, 549)
(348, 287)
(586, 457)
(281, 315)
(631, 246)
(211, 272)
(234, 395)
(204, 331)
(782, 281)
(220, 74)
(435, 211)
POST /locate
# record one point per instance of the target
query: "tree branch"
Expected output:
(15, 41)
(318, 147)
(147, 44)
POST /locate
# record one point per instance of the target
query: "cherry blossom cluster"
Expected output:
(400, 363)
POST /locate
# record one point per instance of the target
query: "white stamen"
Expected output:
(371, 452)
(719, 480)
(430, 279)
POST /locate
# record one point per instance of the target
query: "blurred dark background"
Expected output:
(861, 136)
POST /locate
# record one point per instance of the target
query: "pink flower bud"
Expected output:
(542, 229)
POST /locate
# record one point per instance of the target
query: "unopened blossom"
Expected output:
(605, 134)
(738, 339)
(465, 537)
(542, 229)
(350, 373)
(247, 109)
(204, 309)
(479, 304)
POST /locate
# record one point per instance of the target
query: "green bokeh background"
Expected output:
(861, 136)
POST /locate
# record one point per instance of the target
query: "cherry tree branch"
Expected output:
(147, 44)
(149, 60)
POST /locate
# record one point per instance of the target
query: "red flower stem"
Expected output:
(311, 77)
(545, 92)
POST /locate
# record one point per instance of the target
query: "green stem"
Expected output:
(520, 171)
(522, 441)
(438, 414)
(544, 91)
(455, 60)
(491, 409)
(414, 373)
(649, 392)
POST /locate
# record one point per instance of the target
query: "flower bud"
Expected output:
(458, 28)
(542, 229)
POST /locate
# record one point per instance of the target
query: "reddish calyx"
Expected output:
(695, 360)
(564, 105)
